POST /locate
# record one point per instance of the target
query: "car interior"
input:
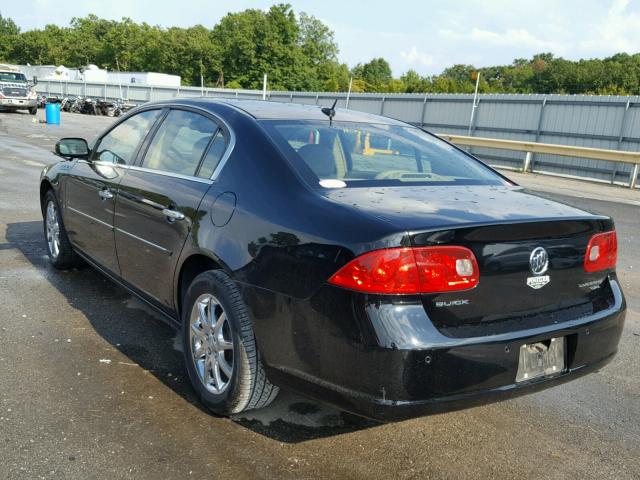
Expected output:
(366, 154)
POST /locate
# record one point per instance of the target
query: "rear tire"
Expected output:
(219, 347)
(59, 248)
(33, 110)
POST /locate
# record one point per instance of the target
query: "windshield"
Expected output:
(12, 77)
(361, 154)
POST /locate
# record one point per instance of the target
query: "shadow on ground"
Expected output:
(139, 333)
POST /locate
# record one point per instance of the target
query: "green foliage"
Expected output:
(8, 26)
(376, 74)
(9, 31)
(544, 73)
(297, 52)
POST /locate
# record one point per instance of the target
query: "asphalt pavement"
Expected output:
(92, 384)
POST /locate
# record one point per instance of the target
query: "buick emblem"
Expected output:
(539, 261)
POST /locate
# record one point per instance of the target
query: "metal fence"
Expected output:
(610, 122)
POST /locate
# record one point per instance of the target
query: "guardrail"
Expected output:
(530, 148)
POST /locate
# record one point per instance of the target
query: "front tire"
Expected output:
(219, 347)
(33, 110)
(59, 248)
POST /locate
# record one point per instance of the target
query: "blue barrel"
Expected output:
(52, 113)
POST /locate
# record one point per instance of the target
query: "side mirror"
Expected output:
(35, 81)
(72, 148)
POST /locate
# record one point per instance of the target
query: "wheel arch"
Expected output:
(45, 186)
(193, 265)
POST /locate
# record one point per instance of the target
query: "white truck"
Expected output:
(16, 92)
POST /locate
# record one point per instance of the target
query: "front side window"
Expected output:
(179, 143)
(361, 154)
(120, 144)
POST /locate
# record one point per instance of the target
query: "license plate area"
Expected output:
(541, 359)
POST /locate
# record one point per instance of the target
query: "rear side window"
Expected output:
(360, 154)
(120, 144)
(179, 143)
(213, 156)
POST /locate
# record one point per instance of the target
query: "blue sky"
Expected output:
(424, 35)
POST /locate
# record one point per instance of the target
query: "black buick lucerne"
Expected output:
(353, 258)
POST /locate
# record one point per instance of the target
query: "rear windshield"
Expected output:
(12, 77)
(363, 154)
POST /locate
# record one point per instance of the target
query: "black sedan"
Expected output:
(350, 257)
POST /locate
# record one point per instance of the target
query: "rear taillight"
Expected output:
(410, 271)
(602, 252)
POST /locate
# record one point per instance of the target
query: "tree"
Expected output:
(376, 74)
(297, 52)
(87, 37)
(414, 83)
(8, 26)
(8, 32)
(320, 51)
(41, 46)
(316, 40)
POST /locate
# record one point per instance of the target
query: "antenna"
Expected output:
(330, 111)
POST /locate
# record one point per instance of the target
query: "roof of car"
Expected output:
(263, 110)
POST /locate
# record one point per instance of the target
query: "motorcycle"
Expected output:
(88, 107)
(67, 103)
(126, 106)
(63, 104)
(109, 108)
(75, 105)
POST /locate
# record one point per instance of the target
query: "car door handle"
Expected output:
(172, 214)
(105, 194)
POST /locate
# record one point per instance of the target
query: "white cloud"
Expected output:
(416, 57)
(618, 32)
(511, 37)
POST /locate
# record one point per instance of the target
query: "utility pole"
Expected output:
(264, 87)
(119, 79)
(475, 100)
(348, 93)
(201, 79)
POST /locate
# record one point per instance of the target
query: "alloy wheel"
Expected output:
(53, 229)
(211, 343)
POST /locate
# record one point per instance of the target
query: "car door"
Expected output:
(91, 188)
(159, 198)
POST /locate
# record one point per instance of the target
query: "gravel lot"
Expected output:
(92, 384)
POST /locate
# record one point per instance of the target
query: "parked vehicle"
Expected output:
(16, 93)
(64, 104)
(67, 103)
(125, 106)
(391, 278)
(88, 106)
(109, 108)
(75, 104)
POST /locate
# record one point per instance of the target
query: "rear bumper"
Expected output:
(17, 103)
(396, 380)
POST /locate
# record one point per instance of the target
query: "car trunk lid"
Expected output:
(502, 226)
(515, 290)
